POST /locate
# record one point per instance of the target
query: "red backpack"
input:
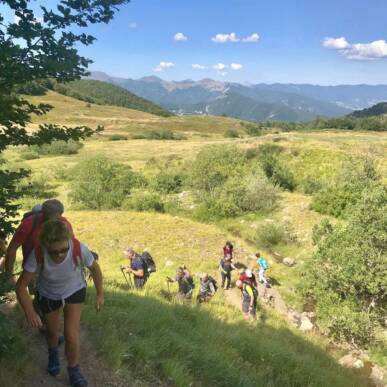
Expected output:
(39, 253)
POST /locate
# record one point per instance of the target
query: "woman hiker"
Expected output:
(58, 262)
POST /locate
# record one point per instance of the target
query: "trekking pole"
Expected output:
(123, 273)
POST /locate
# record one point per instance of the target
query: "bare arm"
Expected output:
(10, 256)
(96, 274)
(25, 301)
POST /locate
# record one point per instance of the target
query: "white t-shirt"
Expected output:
(58, 281)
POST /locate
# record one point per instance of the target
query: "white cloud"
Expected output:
(223, 73)
(224, 38)
(197, 66)
(132, 25)
(253, 38)
(336, 43)
(180, 37)
(236, 66)
(367, 51)
(163, 66)
(358, 51)
(219, 67)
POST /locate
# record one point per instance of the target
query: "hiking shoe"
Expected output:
(76, 377)
(268, 286)
(53, 367)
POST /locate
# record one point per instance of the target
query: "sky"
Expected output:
(325, 42)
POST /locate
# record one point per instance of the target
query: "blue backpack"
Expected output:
(263, 263)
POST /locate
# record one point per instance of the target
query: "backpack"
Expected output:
(214, 282)
(35, 212)
(77, 261)
(263, 263)
(150, 265)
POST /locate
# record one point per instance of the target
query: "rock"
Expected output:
(378, 375)
(358, 364)
(289, 261)
(169, 263)
(306, 325)
(277, 254)
(351, 361)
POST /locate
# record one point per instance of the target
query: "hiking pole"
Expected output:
(123, 273)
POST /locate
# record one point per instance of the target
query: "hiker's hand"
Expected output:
(99, 303)
(33, 320)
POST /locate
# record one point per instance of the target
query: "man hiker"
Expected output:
(185, 282)
(137, 267)
(263, 266)
(207, 288)
(57, 260)
(225, 267)
(27, 234)
(249, 300)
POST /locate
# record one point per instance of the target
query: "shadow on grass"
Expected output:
(208, 346)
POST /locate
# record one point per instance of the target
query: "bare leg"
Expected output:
(52, 320)
(72, 317)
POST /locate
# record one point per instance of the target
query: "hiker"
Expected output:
(27, 234)
(248, 277)
(207, 289)
(249, 299)
(185, 281)
(137, 267)
(3, 249)
(58, 260)
(226, 267)
(263, 266)
(228, 249)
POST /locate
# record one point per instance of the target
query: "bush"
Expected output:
(117, 137)
(29, 155)
(99, 183)
(159, 135)
(37, 186)
(345, 191)
(168, 182)
(347, 273)
(58, 148)
(230, 133)
(252, 129)
(144, 201)
(213, 166)
(311, 185)
(270, 234)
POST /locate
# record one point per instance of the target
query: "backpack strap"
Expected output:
(77, 254)
(39, 255)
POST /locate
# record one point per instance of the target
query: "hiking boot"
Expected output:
(53, 367)
(76, 377)
(268, 286)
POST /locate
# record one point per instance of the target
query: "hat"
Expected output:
(249, 273)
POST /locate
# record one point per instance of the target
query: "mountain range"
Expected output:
(259, 102)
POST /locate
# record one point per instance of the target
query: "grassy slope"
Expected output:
(104, 93)
(210, 345)
(69, 111)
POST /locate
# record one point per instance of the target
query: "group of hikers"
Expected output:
(54, 273)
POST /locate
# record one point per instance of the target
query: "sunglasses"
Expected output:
(55, 253)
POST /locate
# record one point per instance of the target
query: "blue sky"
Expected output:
(300, 41)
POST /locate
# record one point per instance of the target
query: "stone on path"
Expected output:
(289, 261)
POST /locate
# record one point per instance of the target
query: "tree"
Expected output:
(34, 48)
(347, 274)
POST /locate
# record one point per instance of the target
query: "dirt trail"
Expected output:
(93, 368)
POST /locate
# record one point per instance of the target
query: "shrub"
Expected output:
(29, 155)
(345, 191)
(99, 183)
(311, 185)
(252, 129)
(230, 133)
(159, 135)
(144, 201)
(270, 234)
(117, 137)
(347, 273)
(37, 186)
(168, 182)
(58, 148)
(214, 165)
